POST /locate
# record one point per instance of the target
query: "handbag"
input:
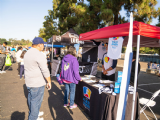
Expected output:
(8, 61)
(60, 81)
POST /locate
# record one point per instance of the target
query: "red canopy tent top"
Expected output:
(150, 34)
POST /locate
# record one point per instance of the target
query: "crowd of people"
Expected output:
(33, 64)
(16, 54)
(153, 65)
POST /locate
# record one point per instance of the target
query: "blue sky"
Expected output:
(22, 19)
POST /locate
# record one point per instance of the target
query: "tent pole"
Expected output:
(52, 52)
(135, 76)
(52, 57)
(46, 47)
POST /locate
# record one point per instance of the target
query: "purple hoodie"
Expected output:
(70, 69)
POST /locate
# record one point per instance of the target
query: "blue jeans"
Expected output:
(21, 70)
(35, 97)
(69, 88)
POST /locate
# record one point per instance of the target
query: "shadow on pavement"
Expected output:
(55, 102)
(26, 93)
(18, 115)
(9, 68)
(25, 90)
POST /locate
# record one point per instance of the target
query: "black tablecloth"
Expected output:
(103, 106)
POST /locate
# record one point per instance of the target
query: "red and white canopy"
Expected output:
(150, 34)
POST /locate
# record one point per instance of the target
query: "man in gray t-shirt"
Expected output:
(2, 56)
(36, 76)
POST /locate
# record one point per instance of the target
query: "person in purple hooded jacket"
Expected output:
(70, 76)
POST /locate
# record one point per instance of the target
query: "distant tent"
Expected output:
(68, 38)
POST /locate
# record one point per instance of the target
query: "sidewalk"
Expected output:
(13, 100)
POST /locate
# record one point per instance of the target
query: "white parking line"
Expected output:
(148, 84)
(147, 91)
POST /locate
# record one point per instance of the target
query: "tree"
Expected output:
(68, 13)
(144, 11)
(2, 40)
(50, 25)
(42, 33)
(94, 14)
(158, 21)
(101, 13)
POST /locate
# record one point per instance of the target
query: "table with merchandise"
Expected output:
(98, 99)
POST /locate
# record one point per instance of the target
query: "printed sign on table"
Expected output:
(86, 97)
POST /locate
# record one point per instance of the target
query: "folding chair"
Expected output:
(148, 103)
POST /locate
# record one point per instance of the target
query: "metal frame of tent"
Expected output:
(139, 28)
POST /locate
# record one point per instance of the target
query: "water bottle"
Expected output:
(117, 87)
(88, 60)
(60, 81)
(58, 77)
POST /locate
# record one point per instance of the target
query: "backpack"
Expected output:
(8, 61)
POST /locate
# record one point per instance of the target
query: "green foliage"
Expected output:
(42, 34)
(158, 21)
(49, 26)
(2, 40)
(94, 14)
(148, 50)
(123, 49)
(143, 10)
(12, 41)
(106, 14)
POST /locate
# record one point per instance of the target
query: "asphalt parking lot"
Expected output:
(13, 98)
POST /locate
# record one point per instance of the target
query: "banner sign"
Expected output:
(77, 47)
(126, 75)
(86, 97)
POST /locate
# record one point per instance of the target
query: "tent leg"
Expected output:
(51, 57)
(46, 47)
(52, 52)
(135, 76)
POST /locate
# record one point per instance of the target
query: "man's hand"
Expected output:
(81, 79)
(105, 72)
(48, 83)
(49, 86)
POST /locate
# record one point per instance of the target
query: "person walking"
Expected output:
(18, 54)
(13, 49)
(13, 53)
(70, 76)
(2, 57)
(36, 76)
(22, 64)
